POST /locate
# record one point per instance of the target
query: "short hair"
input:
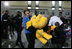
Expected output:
(57, 24)
(6, 10)
(26, 10)
(18, 12)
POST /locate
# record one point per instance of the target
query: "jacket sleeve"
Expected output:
(24, 22)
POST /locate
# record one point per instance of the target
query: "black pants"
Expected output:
(5, 29)
(19, 37)
(11, 29)
(31, 39)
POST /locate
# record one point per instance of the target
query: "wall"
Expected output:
(66, 5)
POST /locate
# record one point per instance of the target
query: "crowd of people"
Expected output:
(60, 33)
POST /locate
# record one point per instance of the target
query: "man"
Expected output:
(18, 27)
(1, 22)
(11, 25)
(5, 21)
(55, 19)
(57, 22)
(30, 34)
(63, 19)
(59, 38)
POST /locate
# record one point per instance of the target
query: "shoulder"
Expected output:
(25, 18)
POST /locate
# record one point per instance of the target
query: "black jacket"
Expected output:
(18, 23)
(5, 17)
(63, 20)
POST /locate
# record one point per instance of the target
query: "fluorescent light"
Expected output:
(37, 2)
(6, 3)
(37, 7)
(60, 3)
(53, 8)
(29, 2)
(59, 8)
(53, 3)
(29, 7)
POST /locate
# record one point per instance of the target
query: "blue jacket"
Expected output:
(25, 20)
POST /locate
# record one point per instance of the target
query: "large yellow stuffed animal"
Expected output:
(39, 22)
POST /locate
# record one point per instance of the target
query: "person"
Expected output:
(2, 27)
(69, 23)
(11, 25)
(1, 22)
(58, 36)
(18, 27)
(30, 33)
(5, 21)
(55, 19)
(63, 19)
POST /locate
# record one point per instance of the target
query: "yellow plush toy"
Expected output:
(39, 22)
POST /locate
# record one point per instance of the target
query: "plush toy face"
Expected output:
(38, 21)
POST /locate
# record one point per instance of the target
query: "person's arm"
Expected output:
(24, 23)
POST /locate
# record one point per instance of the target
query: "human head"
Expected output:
(57, 24)
(6, 12)
(18, 12)
(27, 12)
(36, 13)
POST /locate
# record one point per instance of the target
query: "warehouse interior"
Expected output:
(42, 7)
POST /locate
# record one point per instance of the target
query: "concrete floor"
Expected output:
(10, 43)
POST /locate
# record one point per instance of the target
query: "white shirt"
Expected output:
(55, 19)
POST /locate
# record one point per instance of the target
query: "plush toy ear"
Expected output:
(33, 17)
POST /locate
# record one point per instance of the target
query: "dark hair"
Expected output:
(6, 11)
(26, 10)
(57, 24)
(36, 13)
(18, 12)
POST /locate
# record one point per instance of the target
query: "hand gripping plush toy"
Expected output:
(39, 22)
